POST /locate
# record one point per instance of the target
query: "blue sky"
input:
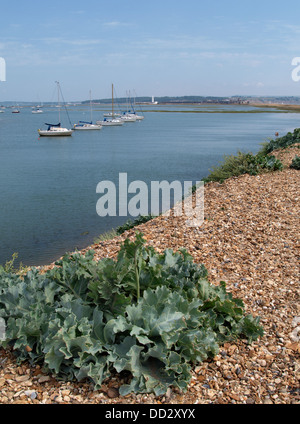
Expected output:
(155, 47)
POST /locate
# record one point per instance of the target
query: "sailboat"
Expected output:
(112, 118)
(55, 130)
(128, 117)
(83, 125)
(133, 113)
(37, 110)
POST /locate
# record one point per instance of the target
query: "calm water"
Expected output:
(48, 185)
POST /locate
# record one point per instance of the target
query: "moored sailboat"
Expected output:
(112, 118)
(111, 122)
(56, 130)
(128, 117)
(131, 115)
(37, 110)
(84, 125)
(133, 112)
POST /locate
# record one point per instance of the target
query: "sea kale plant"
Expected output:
(295, 163)
(151, 316)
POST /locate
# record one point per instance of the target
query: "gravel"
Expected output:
(250, 240)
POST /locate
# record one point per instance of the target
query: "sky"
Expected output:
(150, 48)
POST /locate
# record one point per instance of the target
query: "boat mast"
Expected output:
(58, 101)
(91, 105)
(112, 100)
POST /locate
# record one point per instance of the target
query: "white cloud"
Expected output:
(184, 42)
(112, 24)
(73, 42)
(115, 24)
(254, 84)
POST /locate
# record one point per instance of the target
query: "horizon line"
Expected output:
(242, 96)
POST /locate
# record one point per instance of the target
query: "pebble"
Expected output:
(44, 379)
(22, 378)
(168, 393)
(32, 394)
(112, 393)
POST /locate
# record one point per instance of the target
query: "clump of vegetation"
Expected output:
(129, 224)
(295, 163)
(243, 163)
(281, 142)
(247, 163)
(108, 235)
(133, 223)
(147, 314)
(9, 266)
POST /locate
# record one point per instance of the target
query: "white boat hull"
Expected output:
(112, 115)
(55, 132)
(111, 122)
(87, 127)
(128, 118)
(135, 116)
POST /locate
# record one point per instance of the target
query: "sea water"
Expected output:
(48, 185)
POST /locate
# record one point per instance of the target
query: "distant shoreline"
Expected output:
(289, 107)
(280, 108)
